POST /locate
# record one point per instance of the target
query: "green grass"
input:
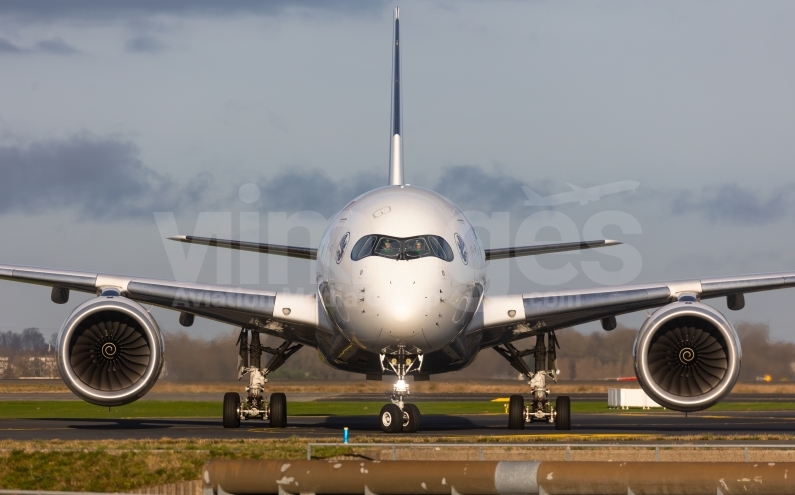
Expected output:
(122, 465)
(188, 409)
(80, 409)
(112, 466)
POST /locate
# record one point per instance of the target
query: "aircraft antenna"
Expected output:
(396, 143)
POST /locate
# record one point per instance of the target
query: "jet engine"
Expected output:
(110, 351)
(687, 356)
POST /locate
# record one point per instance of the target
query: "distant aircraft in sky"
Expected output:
(578, 194)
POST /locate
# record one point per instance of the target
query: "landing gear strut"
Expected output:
(255, 405)
(540, 408)
(399, 415)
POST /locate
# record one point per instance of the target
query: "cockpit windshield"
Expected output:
(402, 248)
(387, 247)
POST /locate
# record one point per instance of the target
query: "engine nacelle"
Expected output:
(110, 351)
(687, 356)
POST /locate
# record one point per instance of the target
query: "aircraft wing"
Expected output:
(257, 247)
(547, 311)
(513, 252)
(293, 317)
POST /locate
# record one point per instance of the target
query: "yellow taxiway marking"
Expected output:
(501, 399)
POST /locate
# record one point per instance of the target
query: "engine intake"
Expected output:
(687, 356)
(110, 351)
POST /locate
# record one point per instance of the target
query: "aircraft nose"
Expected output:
(405, 309)
(401, 307)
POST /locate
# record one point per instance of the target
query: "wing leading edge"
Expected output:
(291, 251)
(514, 252)
(294, 317)
(507, 318)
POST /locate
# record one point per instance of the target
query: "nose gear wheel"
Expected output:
(400, 416)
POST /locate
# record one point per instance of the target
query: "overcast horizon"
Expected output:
(113, 112)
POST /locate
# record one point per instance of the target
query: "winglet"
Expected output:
(396, 142)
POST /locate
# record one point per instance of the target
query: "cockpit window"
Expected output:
(402, 248)
(440, 248)
(416, 247)
(388, 247)
(363, 248)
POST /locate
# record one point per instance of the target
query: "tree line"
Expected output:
(582, 356)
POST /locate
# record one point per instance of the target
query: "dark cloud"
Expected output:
(313, 190)
(735, 204)
(103, 178)
(472, 188)
(98, 178)
(144, 44)
(48, 10)
(8, 47)
(469, 187)
(56, 46)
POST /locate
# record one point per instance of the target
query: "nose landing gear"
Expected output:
(540, 408)
(254, 406)
(399, 415)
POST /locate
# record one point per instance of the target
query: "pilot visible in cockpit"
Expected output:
(418, 247)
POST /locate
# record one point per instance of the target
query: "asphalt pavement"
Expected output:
(593, 424)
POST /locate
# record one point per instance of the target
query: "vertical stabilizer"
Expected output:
(396, 142)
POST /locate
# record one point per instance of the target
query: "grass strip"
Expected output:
(122, 465)
(110, 466)
(190, 409)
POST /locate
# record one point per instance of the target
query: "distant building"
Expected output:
(42, 367)
(29, 367)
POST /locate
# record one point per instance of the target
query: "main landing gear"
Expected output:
(540, 408)
(399, 415)
(254, 406)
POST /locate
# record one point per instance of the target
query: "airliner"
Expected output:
(401, 293)
(578, 194)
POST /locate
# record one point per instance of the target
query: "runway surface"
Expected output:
(596, 424)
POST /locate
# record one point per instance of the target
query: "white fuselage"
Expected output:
(391, 296)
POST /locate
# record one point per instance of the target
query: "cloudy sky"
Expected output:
(121, 123)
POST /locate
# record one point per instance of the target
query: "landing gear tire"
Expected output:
(411, 418)
(563, 409)
(231, 406)
(391, 418)
(516, 413)
(278, 407)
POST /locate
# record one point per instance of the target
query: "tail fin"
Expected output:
(396, 143)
